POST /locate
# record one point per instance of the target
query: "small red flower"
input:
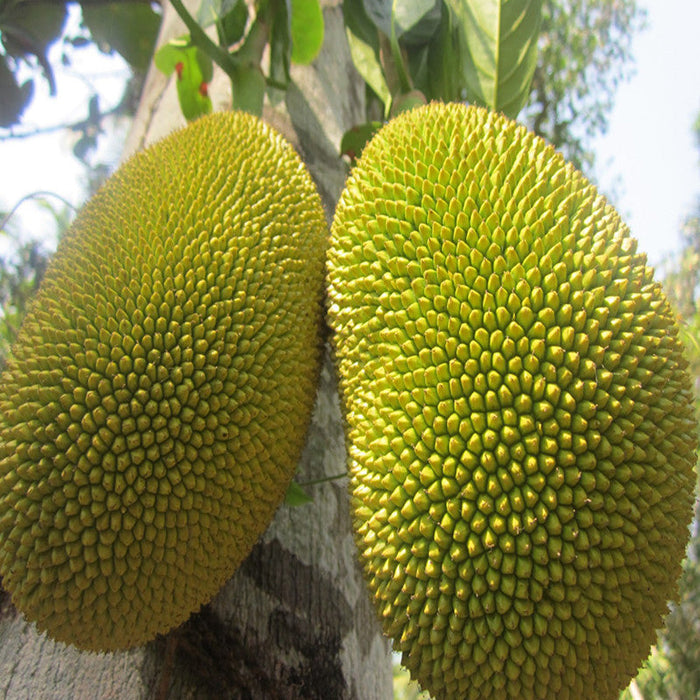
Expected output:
(179, 67)
(204, 89)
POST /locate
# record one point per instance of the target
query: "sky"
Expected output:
(45, 162)
(648, 157)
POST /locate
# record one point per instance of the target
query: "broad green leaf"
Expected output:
(231, 26)
(379, 13)
(493, 49)
(26, 31)
(419, 68)
(296, 496)
(363, 39)
(194, 71)
(130, 29)
(230, 17)
(179, 50)
(169, 54)
(306, 26)
(15, 97)
(280, 47)
(409, 15)
(355, 139)
(26, 28)
(423, 27)
(211, 11)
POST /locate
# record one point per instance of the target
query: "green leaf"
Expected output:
(492, 47)
(355, 139)
(418, 24)
(306, 27)
(169, 54)
(230, 17)
(130, 29)
(401, 72)
(231, 26)
(26, 29)
(194, 71)
(363, 39)
(15, 97)
(407, 15)
(378, 12)
(210, 11)
(296, 496)
(280, 46)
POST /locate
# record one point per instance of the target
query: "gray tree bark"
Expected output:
(295, 621)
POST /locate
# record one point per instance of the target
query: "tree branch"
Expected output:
(74, 126)
(217, 54)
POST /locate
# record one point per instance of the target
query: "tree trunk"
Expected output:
(295, 621)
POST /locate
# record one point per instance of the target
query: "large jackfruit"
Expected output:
(520, 423)
(158, 396)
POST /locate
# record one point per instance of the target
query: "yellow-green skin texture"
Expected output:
(158, 396)
(520, 424)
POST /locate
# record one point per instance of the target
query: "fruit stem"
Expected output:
(324, 479)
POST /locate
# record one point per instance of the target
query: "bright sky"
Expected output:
(650, 149)
(649, 157)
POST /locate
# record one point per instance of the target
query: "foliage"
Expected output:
(28, 28)
(651, 679)
(680, 640)
(555, 63)
(475, 50)
(25, 36)
(585, 51)
(407, 51)
(20, 275)
(681, 637)
(194, 71)
(404, 687)
(292, 29)
(22, 267)
(481, 51)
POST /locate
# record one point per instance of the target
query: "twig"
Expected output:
(322, 480)
(200, 38)
(75, 126)
(33, 195)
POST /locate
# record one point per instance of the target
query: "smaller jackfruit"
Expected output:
(158, 396)
(520, 422)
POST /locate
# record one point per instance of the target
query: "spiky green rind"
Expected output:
(520, 424)
(157, 401)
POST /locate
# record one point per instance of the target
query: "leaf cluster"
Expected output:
(677, 658)
(26, 32)
(20, 275)
(407, 51)
(292, 29)
(482, 51)
(29, 28)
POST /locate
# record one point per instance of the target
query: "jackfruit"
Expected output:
(520, 425)
(159, 392)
